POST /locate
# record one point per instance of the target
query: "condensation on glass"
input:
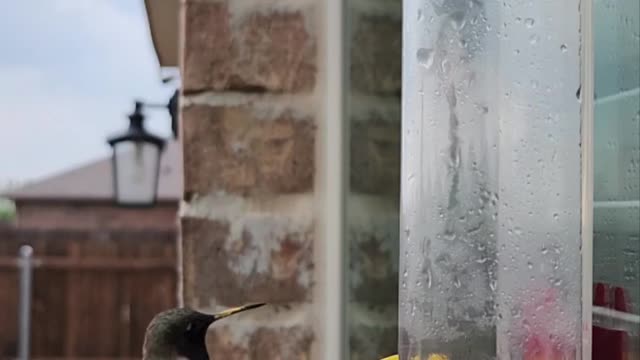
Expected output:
(616, 213)
(490, 261)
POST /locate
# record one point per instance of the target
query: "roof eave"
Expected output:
(164, 17)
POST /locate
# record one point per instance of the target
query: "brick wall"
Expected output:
(69, 215)
(252, 80)
(249, 125)
(372, 203)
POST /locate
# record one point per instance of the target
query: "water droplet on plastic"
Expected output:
(556, 216)
(534, 84)
(518, 20)
(444, 66)
(458, 20)
(563, 48)
(425, 57)
(516, 51)
(529, 22)
(544, 250)
(449, 235)
(516, 313)
(444, 260)
(533, 39)
(420, 15)
(530, 265)
(405, 273)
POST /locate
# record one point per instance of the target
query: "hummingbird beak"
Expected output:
(235, 310)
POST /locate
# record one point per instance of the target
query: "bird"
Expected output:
(179, 333)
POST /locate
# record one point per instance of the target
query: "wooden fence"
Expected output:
(93, 292)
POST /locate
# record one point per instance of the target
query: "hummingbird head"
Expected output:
(180, 333)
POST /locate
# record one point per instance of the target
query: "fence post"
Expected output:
(24, 320)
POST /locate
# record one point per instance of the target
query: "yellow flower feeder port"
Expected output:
(430, 357)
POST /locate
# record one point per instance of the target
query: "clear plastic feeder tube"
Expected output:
(491, 165)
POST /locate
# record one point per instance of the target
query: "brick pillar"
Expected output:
(248, 117)
(372, 216)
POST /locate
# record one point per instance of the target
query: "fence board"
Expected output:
(93, 295)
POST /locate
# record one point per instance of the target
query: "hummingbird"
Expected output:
(179, 333)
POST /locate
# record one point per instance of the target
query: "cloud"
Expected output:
(72, 71)
(43, 131)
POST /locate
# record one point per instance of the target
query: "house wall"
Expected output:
(374, 36)
(255, 157)
(249, 119)
(70, 215)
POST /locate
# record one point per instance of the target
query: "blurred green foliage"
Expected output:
(7, 210)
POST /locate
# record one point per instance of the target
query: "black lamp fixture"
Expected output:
(136, 157)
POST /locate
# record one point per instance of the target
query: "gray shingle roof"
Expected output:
(94, 181)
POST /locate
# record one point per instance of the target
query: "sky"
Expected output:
(70, 71)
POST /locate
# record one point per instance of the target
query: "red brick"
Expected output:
(376, 54)
(257, 52)
(72, 215)
(221, 345)
(248, 269)
(373, 342)
(374, 258)
(291, 343)
(230, 149)
(375, 157)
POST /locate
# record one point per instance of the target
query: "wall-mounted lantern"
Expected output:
(136, 157)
